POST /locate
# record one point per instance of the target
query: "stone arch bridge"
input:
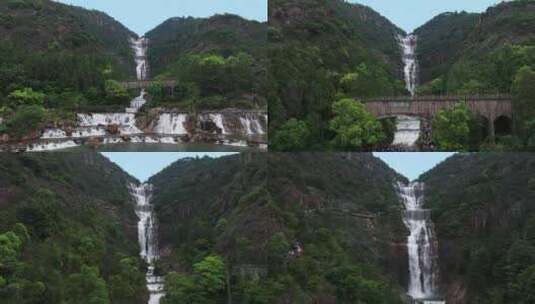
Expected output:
(493, 108)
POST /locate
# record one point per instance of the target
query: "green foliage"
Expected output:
(203, 286)
(524, 101)
(87, 287)
(292, 136)
(115, 93)
(26, 96)
(26, 118)
(451, 128)
(354, 127)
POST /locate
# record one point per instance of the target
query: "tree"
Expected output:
(291, 136)
(210, 274)
(87, 287)
(26, 118)
(354, 127)
(524, 100)
(26, 96)
(524, 287)
(451, 128)
(125, 286)
(115, 93)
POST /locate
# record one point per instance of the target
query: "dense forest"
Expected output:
(218, 61)
(291, 232)
(327, 57)
(482, 207)
(321, 52)
(68, 231)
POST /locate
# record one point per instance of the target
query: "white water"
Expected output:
(170, 123)
(50, 146)
(407, 131)
(137, 103)
(140, 48)
(252, 125)
(53, 133)
(218, 120)
(148, 239)
(421, 244)
(410, 69)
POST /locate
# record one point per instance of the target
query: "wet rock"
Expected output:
(112, 129)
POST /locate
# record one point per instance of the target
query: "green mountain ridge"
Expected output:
(76, 231)
(484, 220)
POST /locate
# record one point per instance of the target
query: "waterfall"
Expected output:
(53, 133)
(148, 239)
(50, 146)
(170, 123)
(251, 124)
(408, 45)
(137, 103)
(421, 245)
(407, 131)
(140, 47)
(218, 120)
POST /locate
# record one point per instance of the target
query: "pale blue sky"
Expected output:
(411, 14)
(143, 165)
(142, 16)
(412, 165)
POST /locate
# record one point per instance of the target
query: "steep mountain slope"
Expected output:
(321, 51)
(482, 207)
(221, 34)
(48, 27)
(441, 41)
(487, 55)
(68, 231)
(296, 231)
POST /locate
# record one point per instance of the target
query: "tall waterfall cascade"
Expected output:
(148, 239)
(421, 246)
(410, 64)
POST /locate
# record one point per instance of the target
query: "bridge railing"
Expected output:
(433, 98)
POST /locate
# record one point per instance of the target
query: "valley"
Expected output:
(267, 228)
(216, 98)
(328, 68)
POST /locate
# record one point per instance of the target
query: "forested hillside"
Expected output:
(294, 233)
(482, 207)
(218, 61)
(55, 58)
(321, 52)
(441, 41)
(68, 232)
(487, 50)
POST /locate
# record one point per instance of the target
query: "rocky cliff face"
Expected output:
(481, 206)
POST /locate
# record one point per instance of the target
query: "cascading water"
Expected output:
(407, 131)
(148, 239)
(171, 123)
(140, 47)
(410, 69)
(421, 245)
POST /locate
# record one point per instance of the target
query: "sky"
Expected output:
(411, 14)
(142, 16)
(412, 165)
(143, 165)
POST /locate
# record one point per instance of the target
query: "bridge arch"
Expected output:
(503, 125)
